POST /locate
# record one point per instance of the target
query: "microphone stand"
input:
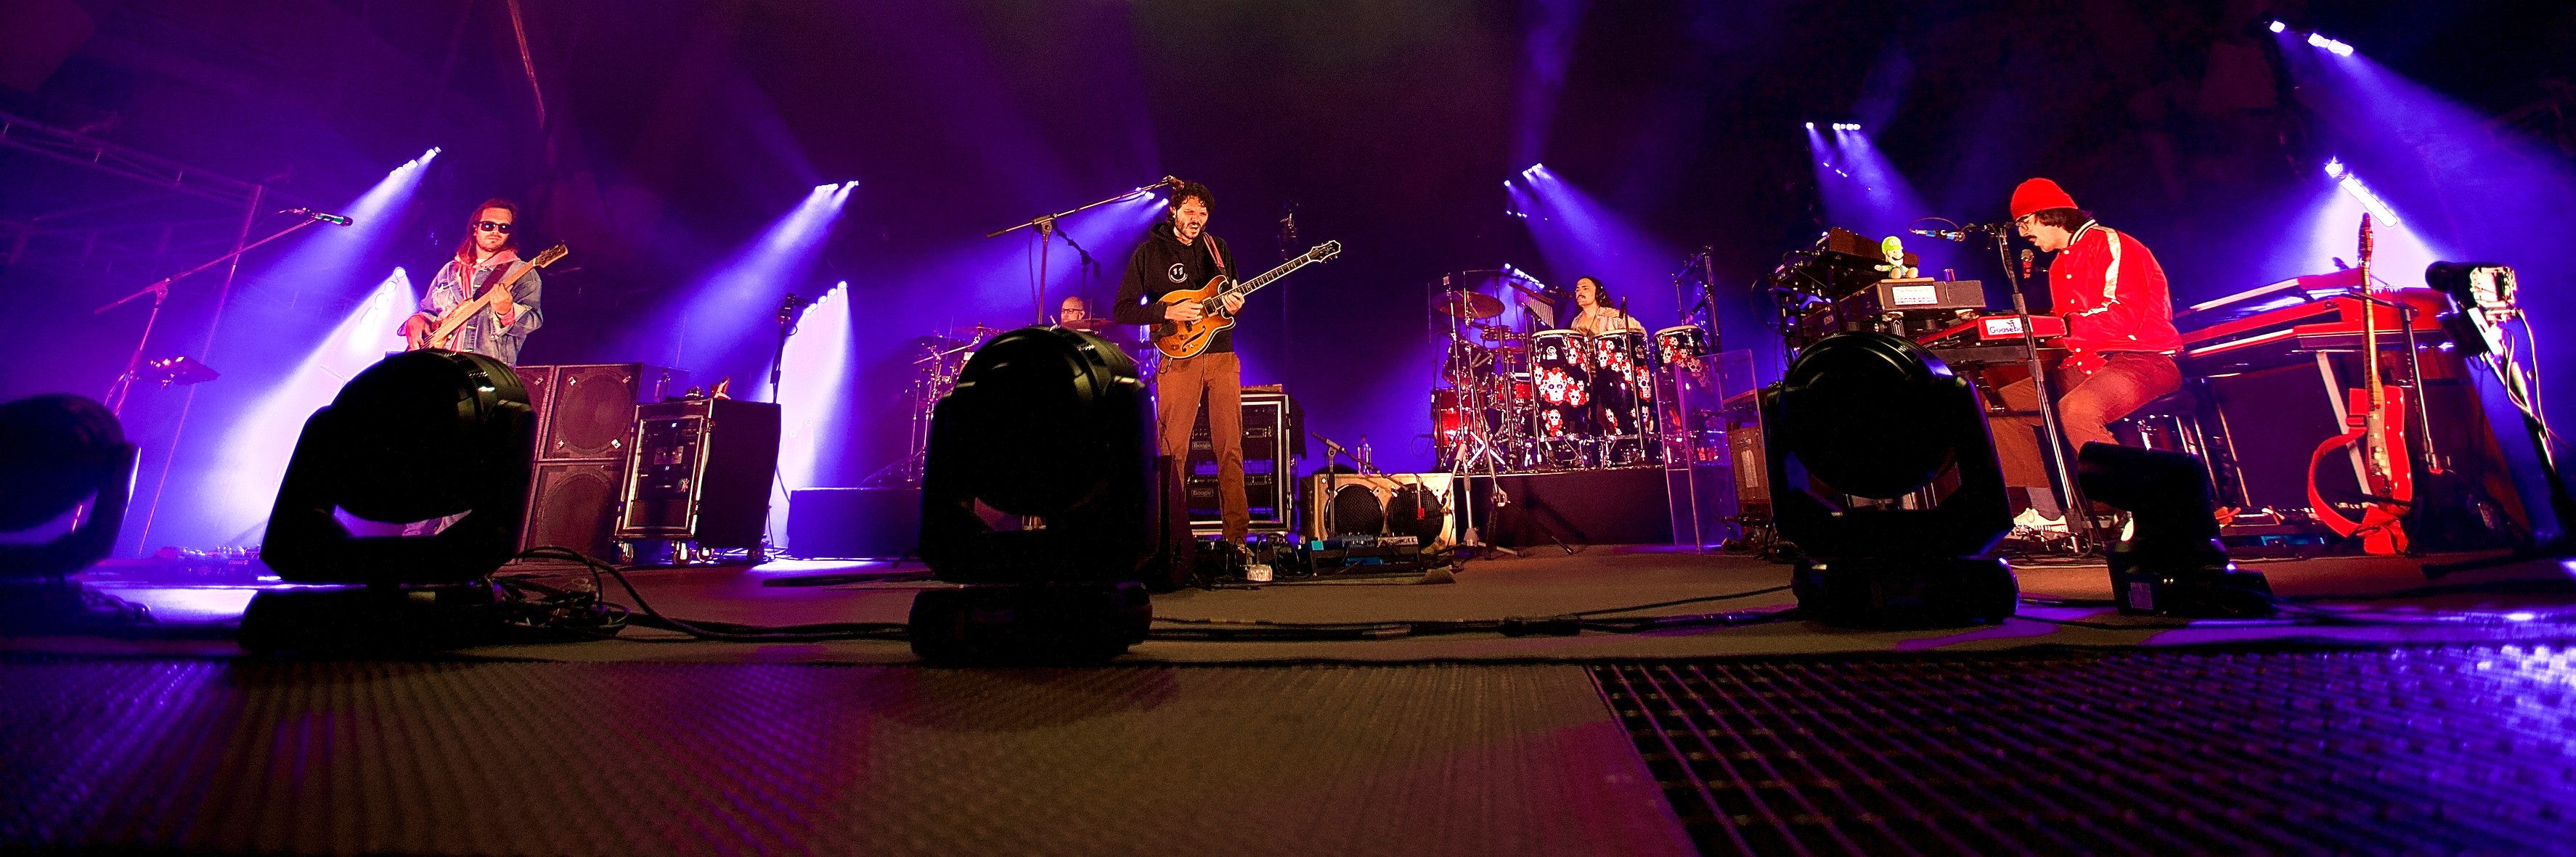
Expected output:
(1045, 225)
(789, 314)
(123, 386)
(2077, 515)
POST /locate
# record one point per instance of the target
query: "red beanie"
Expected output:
(2039, 195)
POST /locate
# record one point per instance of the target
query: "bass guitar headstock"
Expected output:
(550, 256)
(1324, 252)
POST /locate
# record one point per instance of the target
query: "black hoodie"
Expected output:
(1163, 265)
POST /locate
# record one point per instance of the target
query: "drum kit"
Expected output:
(1547, 398)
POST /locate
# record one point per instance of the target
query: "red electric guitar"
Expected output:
(2375, 415)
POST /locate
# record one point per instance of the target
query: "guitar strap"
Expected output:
(1219, 258)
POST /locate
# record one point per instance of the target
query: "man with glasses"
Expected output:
(2120, 337)
(483, 257)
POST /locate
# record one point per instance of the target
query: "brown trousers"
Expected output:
(2086, 407)
(1178, 388)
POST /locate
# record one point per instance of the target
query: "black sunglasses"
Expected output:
(492, 226)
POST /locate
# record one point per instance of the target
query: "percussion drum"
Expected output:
(1561, 378)
(1682, 347)
(1623, 388)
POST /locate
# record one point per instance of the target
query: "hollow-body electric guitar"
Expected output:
(442, 332)
(1188, 338)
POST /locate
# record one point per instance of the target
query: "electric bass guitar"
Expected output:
(1189, 338)
(442, 331)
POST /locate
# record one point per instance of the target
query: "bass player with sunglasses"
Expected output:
(483, 261)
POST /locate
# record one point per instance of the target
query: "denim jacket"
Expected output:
(484, 334)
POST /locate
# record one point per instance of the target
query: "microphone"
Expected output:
(326, 217)
(1964, 230)
(2026, 257)
(1170, 182)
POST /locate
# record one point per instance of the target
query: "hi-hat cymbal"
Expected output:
(1467, 305)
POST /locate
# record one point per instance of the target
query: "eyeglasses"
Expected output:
(492, 226)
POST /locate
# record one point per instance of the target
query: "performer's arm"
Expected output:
(525, 315)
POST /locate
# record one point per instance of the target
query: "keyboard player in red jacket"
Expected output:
(2120, 336)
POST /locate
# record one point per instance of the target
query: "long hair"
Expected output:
(509, 241)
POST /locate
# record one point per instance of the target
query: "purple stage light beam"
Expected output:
(1583, 237)
(235, 497)
(1546, 52)
(813, 398)
(724, 327)
(232, 492)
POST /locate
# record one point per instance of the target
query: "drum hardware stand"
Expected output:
(1045, 225)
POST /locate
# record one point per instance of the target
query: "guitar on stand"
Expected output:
(1189, 338)
(2388, 483)
(443, 331)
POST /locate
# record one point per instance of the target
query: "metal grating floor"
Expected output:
(2428, 750)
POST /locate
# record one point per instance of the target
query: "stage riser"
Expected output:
(1596, 507)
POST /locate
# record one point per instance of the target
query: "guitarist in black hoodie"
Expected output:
(1179, 255)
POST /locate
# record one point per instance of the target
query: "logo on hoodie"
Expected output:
(1179, 273)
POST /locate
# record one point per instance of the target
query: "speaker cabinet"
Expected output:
(854, 523)
(572, 504)
(586, 410)
(699, 470)
(1394, 504)
(1272, 443)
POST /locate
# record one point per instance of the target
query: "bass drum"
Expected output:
(1561, 379)
(1623, 392)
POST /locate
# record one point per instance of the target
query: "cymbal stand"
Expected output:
(1045, 224)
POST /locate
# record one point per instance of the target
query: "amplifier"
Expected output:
(1273, 441)
(1378, 505)
(699, 470)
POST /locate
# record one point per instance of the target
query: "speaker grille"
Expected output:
(593, 408)
(570, 506)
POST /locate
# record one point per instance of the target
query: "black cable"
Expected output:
(725, 631)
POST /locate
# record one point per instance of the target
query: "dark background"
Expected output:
(674, 132)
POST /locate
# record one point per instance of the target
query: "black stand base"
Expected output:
(2201, 591)
(390, 619)
(1033, 623)
(1906, 592)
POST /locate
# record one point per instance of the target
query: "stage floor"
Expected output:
(2528, 600)
(2443, 730)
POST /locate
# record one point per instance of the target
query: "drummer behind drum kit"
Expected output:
(1550, 399)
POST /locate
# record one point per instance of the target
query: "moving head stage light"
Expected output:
(57, 452)
(1038, 495)
(421, 436)
(2169, 562)
(1883, 426)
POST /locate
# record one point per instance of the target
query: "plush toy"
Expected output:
(1894, 249)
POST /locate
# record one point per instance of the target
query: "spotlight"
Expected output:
(1878, 420)
(421, 437)
(2278, 26)
(2169, 561)
(2334, 168)
(1038, 494)
(56, 452)
(2334, 47)
(1811, 126)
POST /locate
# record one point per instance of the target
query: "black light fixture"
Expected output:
(1884, 475)
(2168, 561)
(1038, 496)
(56, 453)
(420, 436)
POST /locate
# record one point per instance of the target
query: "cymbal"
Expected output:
(1467, 305)
(1088, 325)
